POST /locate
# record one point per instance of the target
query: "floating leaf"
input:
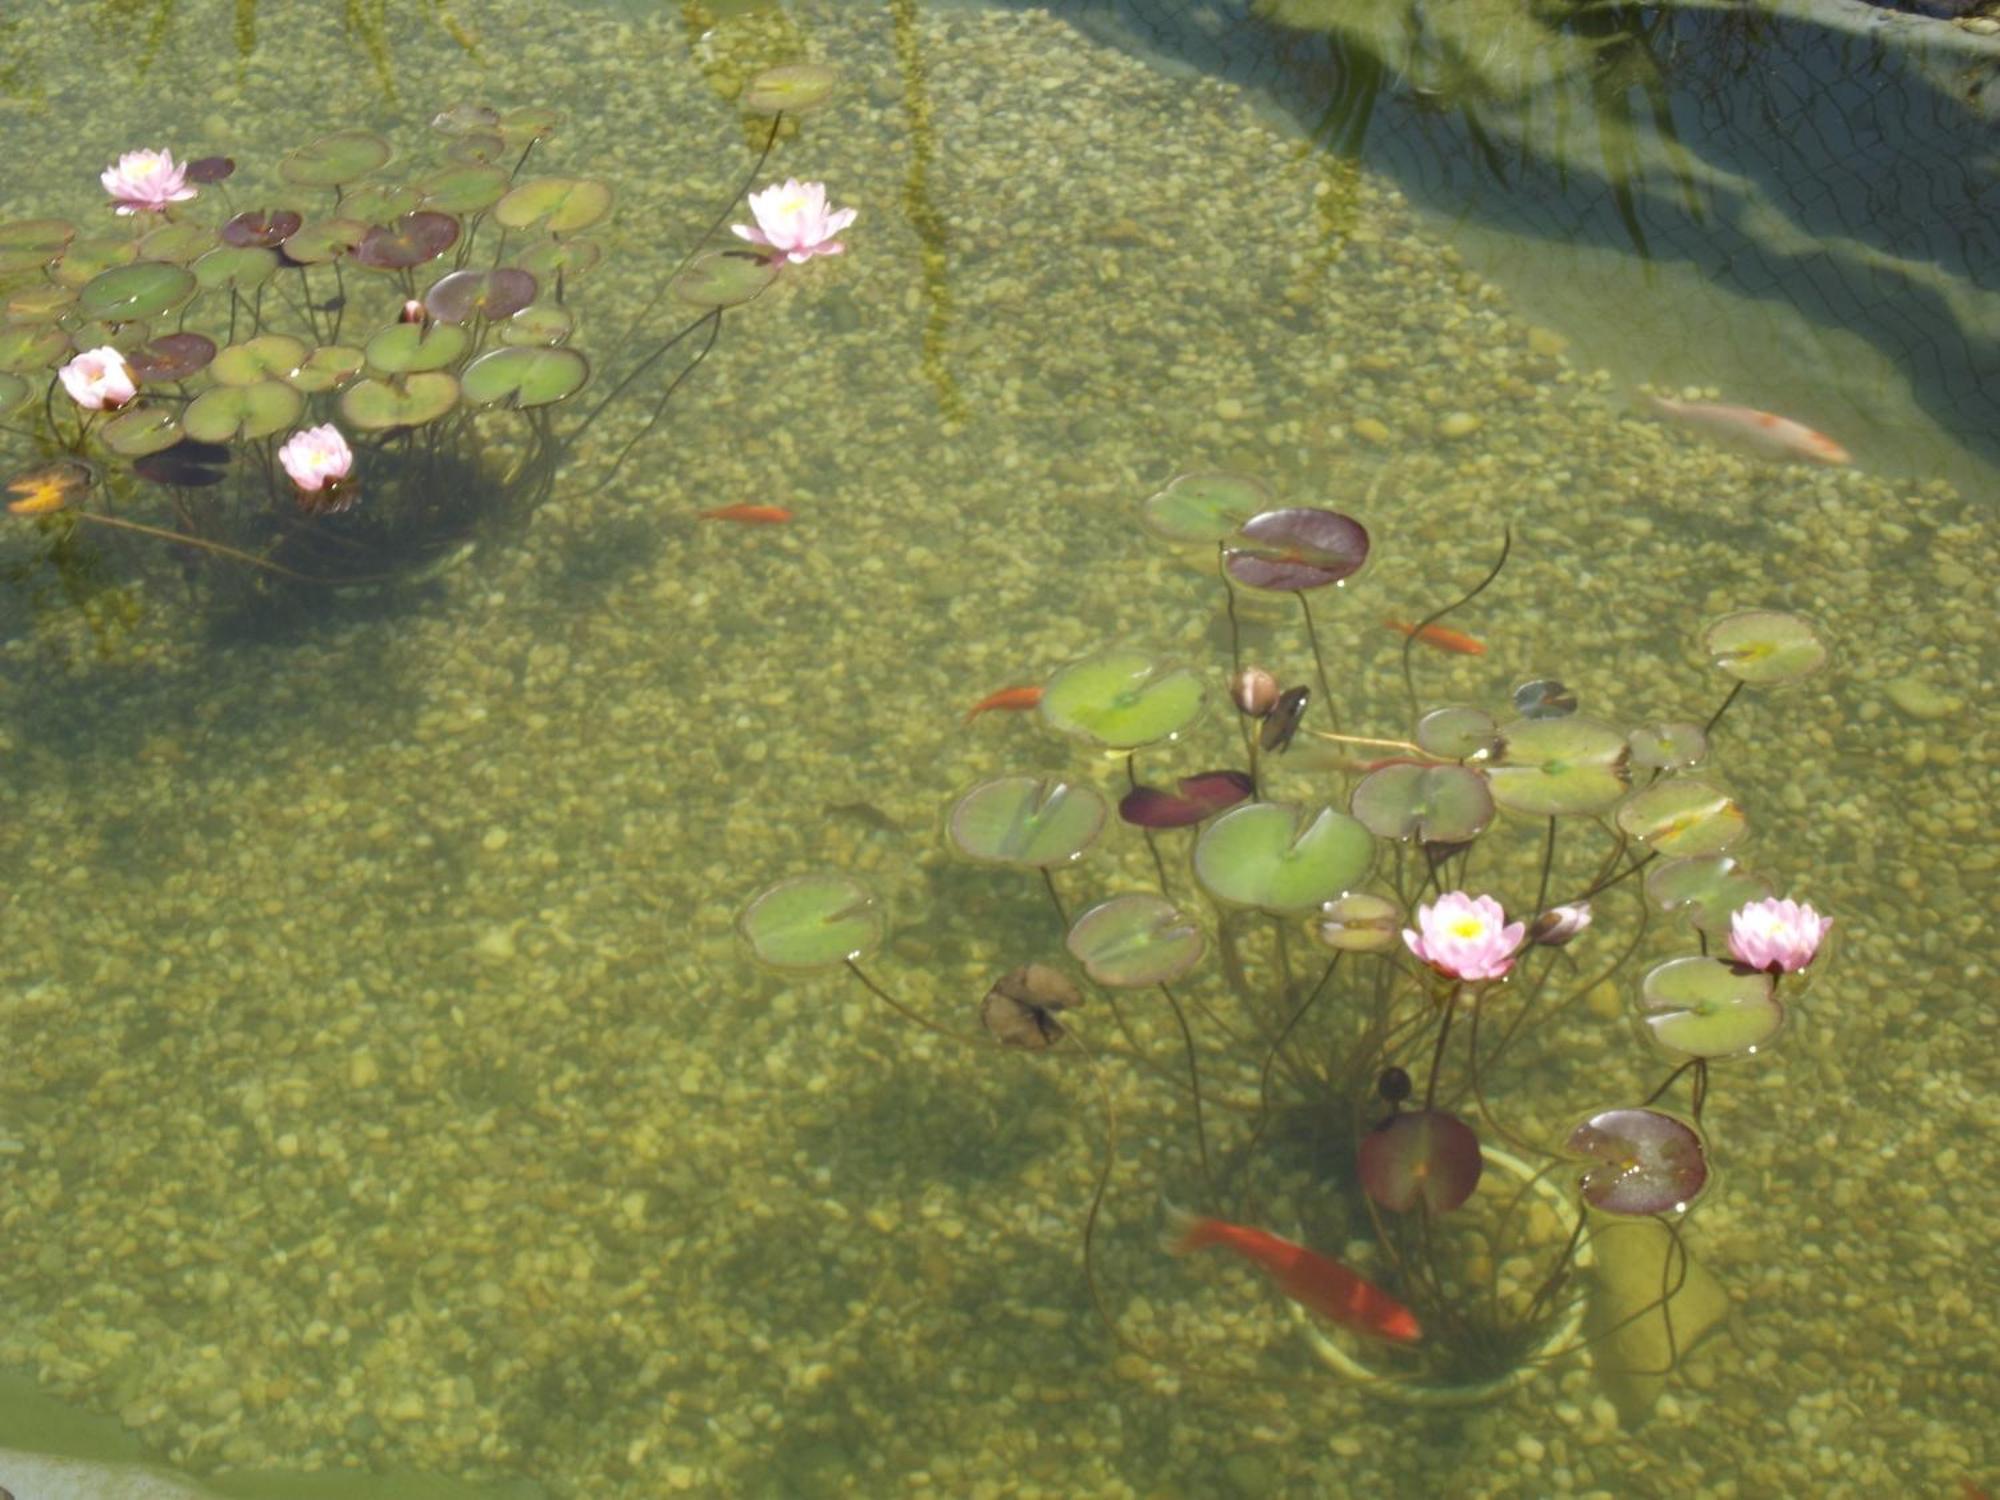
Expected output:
(1549, 767)
(140, 429)
(170, 357)
(179, 243)
(207, 169)
(543, 323)
(1646, 1161)
(1026, 820)
(1459, 733)
(90, 258)
(1298, 548)
(463, 190)
(334, 160)
(144, 289)
(1765, 646)
(1683, 817)
(1705, 890)
(327, 367)
(529, 122)
(1122, 700)
(28, 346)
(1361, 922)
(243, 268)
(479, 146)
(525, 376)
(187, 465)
(1133, 941)
(14, 394)
(464, 295)
(269, 356)
(812, 922)
(264, 228)
(465, 119)
(568, 259)
(1544, 698)
(1423, 1156)
(1201, 796)
(31, 244)
(560, 204)
(724, 278)
(790, 88)
(1704, 1007)
(242, 411)
(1203, 507)
(407, 401)
(1268, 856)
(1434, 804)
(413, 239)
(1021, 1008)
(325, 239)
(1668, 746)
(43, 302)
(402, 348)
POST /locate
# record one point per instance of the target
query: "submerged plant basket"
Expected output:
(1564, 1329)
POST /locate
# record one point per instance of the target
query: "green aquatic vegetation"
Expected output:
(1399, 946)
(345, 372)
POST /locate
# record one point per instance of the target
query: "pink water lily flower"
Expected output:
(316, 457)
(146, 181)
(1465, 937)
(1779, 937)
(98, 378)
(792, 219)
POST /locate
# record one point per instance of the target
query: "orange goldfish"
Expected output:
(1010, 697)
(1441, 636)
(749, 515)
(1315, 1281)
(1760, 433)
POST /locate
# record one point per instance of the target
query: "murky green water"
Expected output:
(388, 1091)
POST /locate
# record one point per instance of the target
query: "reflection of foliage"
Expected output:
(151, 22)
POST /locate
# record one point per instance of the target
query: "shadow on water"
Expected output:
(1779, 157)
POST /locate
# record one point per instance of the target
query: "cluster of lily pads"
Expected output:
(1398, 865)
(150, 374)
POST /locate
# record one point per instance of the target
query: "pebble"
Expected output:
(1920, 700)
(1369, 430)
(1458, 424)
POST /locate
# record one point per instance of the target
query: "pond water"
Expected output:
(390, 1096)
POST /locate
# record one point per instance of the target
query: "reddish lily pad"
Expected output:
(170, 357)
(1299, 548)
(1424, 1156)
(1133, 941)
(1201, 796)
(1644, 1161)
(263, 228)
(411, 241)
(462, 296)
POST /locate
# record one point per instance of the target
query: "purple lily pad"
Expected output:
(1299, 548)
(170, 357)
(1644, 1161)
(261, 229)
(1425, 1156)
(210, 168)
(1200, 796)
(189, 464)
(463, 295)
(410, 241)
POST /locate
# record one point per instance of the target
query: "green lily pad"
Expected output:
(1705, 891)
(323, 240)
(567, 258)
(242, 266)
(528, 122)
(463, 190)
(30, 244)
(327, 367)
(334, 160)
(1203, 507)
(1549, 767)
(539, 323)
(724, 278)
(87, 259)
(269, 356)
(1683, 817)
(525, 376)
(1361, 922)
(1122, 700)
(1026, 820)
(1434, 804)
(14, 393)
(144, 289)
(1459, 732)
(1765, 646)
(790, 88)
(402, 348)
(560, 204)
(1668, 746)
(812, 922)
(1266, 855)
(179, 243)
(139, 430)
(378, 204)
(43, 302)
(242, 411)
(1133, 941)
(30, 346)
(406, 401)
(1704, 1007)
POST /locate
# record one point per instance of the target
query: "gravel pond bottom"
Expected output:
(386, 1083)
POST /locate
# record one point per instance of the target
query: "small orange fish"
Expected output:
(1010, 697)
(1315, 1281)
(749, 515)
(44, 491)
(1762, 433)
(1442, 637)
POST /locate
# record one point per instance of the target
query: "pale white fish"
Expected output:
(1762, 433)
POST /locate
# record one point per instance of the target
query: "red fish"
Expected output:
(1762, 433)
(1441, 636)
(749, 515)
(1313, 1280)
(1011, 697)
